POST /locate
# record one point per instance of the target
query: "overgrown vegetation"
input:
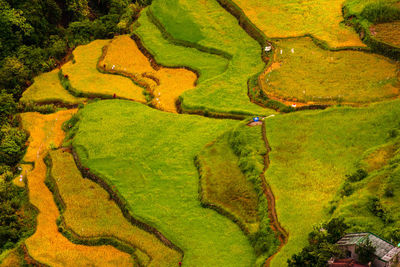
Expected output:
(321, 245)
(17, 216)
(230, 182)
(368, 199)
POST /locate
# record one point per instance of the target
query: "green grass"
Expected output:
(372, 203)
(307, 73)
(227, 92)
(86, 80)
(355, 7)
(170, 55)
(311, 153)
(149, 158)
(178, 22)
(47, 89)
(89, 213)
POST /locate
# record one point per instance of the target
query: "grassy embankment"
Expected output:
(376, 20)
(48, 89)
(369, 200)
(166, 84)
(160, 184)
(310, 157)
(321, 19)
(305, 73)
(88, 212)
(212, 30)
(230, 183)
(47, 245)
(82, 78)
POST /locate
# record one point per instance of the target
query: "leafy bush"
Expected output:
(359, 175)
(380, 12)
(321, 245)
(366, 252)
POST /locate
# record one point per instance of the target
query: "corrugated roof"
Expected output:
(384, 250)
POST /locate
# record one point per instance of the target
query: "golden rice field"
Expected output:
(47, 88)
(322, 19)
(47, 244)
(90, 213)
(305, 73)
(86, 79)
(388, 32)
(166, 84)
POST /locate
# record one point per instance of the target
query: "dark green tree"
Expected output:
(366, 252)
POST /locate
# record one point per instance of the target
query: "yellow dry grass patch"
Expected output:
(278, 19)
(308, 74)
(47, 88)
(13, 259)
(166, 84)
(85, 78)
(90, 213)
(47, 245)
(379, 157)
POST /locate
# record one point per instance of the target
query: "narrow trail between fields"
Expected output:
(273, 216)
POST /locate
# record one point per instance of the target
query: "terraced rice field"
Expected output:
(90, 214)
(166, 84)
(48, 89)
(86, 80)
(302, 72)
(47, 245)
(227, 92)
(322, 19)
(310, 157)
(388, 32)
(234, 193)
(161, 182)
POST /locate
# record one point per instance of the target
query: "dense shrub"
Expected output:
(359, 175)
(321, 245)
(380, 12)
(366, 252)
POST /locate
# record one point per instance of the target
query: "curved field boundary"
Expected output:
(164, 85)
(362, 27)
(206, 204)
(123, 205)
(282, 234)
(134, 79)
(95, 76)
(171, 39)
(29, 260)
(156, 66)
(71, 234)
(47, 244)
(256, 89)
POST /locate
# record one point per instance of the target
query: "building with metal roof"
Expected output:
(386, 253)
